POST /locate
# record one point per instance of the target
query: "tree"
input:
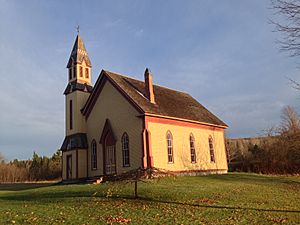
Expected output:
(1, 158)
(289, 10)
(55, 165)
(278, 152)
(290, 122)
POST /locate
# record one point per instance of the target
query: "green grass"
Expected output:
(235, 198)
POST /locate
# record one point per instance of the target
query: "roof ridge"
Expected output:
(166, 105)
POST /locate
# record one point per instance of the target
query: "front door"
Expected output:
(110, 160)
(69, 167)
(108, 142)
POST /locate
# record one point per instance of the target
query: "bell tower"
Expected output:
(74, 148)
(78, 88)
(79, 64)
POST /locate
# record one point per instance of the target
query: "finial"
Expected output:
(77, 28)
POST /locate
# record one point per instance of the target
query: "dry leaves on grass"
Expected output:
(205, 201)
(118, 219)
(278, 220)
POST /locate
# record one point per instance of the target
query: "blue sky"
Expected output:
(221, 52)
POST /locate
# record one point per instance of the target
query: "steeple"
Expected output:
(79, 53)
(79, 64)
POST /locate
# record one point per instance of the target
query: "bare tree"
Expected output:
(294, 84)
(290, 121)
(1, 158)
(288, 11)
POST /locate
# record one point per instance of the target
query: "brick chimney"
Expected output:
(149, 86)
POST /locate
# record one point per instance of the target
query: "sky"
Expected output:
(224, 53)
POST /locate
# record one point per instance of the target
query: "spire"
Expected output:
(78, 53)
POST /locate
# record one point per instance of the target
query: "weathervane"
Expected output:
(77, 28)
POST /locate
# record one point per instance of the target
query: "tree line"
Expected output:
(37, 168)
(277, 153)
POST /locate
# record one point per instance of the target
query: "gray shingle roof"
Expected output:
(169, 102)
(75, 86)
(75, 141)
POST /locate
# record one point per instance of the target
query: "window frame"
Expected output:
(94, 155)
(192, 148)
(211, 149)
(170, 148)
(71, 115)
(125, 149)
(87, 73)
(80, 71)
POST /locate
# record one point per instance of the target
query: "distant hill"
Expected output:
(241, 149)
(242, 144)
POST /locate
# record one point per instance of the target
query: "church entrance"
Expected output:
(110, 160)
(69, 167)
(110, 154)
(108, 142)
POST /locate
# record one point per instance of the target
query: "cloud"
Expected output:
(112, 23)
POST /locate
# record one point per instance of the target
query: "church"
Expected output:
(121, 124)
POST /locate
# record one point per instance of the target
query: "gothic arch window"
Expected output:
(71, 114)
(125, 150)
(86, 72)
(80, 71)
(94, 155)
(211, 149)
(170, 147)
(192, 148)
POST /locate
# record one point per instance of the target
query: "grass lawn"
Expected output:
(235, 198)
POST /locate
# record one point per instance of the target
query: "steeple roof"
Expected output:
(79, 53)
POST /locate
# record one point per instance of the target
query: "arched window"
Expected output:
(80, 71)
(125, 150)
(86, 72)
(211, 149)
(71, 114)
(94, 155)
(170, 147)
(192, 148)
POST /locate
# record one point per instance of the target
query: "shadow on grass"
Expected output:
(254, 178)
(219, 206)
(58, 196)
(23, 186)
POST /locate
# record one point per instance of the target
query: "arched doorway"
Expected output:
(109, 155)
(108, 142)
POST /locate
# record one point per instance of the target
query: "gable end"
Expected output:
(103, 78)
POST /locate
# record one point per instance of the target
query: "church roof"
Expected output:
(75, 141)
(79, 53)
(76, 86)
(168, 102)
